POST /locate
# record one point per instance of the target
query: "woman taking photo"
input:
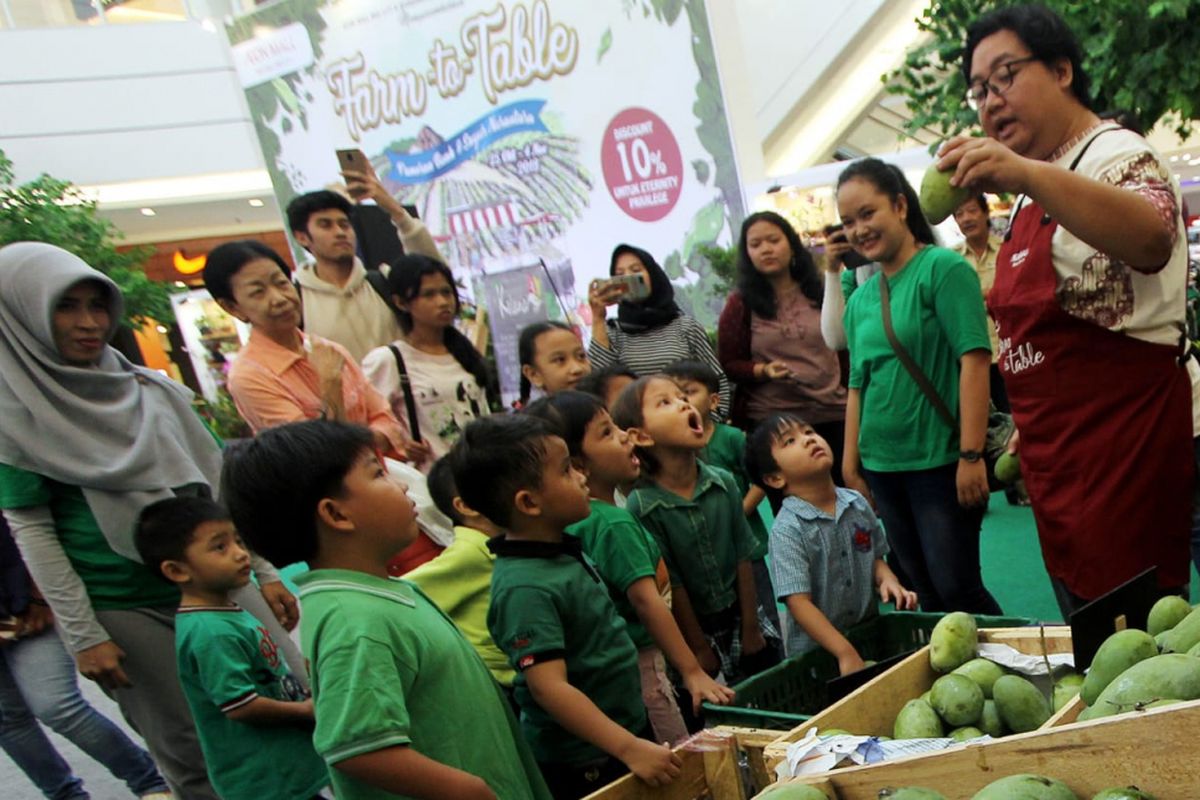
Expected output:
(917, 453)
(648, 334)
(1089, 302)
(88, 441)
(447, 378)
(769, 337)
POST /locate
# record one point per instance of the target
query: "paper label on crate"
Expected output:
(1023, 663)
(812, 755)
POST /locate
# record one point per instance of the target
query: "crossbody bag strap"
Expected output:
(923, 382)
(410, 401)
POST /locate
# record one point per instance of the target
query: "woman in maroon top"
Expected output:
(769, 337)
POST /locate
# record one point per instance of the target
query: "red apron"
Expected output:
(1105, 423)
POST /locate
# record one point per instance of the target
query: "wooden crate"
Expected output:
(1153, 750)
(871, 709)
(710, 769)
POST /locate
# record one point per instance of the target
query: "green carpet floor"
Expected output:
(1012, 563)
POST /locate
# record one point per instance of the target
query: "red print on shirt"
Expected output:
(862, 540)
(267, 646)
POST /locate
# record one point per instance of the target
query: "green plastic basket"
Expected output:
(787, 694)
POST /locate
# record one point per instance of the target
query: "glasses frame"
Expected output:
(991, 88)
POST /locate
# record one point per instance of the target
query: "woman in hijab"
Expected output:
(89, 440)
(648, 334)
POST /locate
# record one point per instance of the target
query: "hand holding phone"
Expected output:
(620, 287)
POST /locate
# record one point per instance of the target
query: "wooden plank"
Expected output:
(724, 779)
(1067, 714)
(872, 708)
(752, 741)
(1150, 749)
(710, 769)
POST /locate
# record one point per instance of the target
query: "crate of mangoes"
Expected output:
(945, 690)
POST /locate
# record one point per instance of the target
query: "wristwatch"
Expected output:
(971, 456)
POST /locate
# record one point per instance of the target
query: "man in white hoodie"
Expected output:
(339, 302)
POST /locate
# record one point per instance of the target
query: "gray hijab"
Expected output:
(125, 435)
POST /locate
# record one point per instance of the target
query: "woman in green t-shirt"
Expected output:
(89, 440)
(921, 466)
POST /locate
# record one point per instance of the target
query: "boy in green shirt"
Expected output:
(459, 580)
(577, 680)
(252, 715)
(726, 448)
(404, 705)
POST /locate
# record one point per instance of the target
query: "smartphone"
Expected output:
(631, 286)
(852, 259)
(352, 159)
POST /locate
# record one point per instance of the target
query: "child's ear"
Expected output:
(462, 509)
(714, 402)
(529, 371)
(330, 514)
(176, 571)
(640, 437)
(775, 480)
(528, 503)
(400, 303)
(231, 308)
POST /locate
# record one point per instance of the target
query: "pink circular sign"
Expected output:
(642, 165)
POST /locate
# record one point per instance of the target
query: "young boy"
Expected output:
(694, 511)
(577, 680)
(253, 717)
(404, 705)
(459, 580)
(726, 448)
(826, 545)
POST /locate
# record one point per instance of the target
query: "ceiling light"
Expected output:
(149, 212)
(255, 202)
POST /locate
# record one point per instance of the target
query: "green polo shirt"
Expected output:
(112, 581)
(727, 449)
(459, 582)
(389, 669)
(938, 315)
(702, 538)
(550, 603)
(623, 552)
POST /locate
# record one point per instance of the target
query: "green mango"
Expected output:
(957, 699)
(938, 197)
(1021, 705)
(917, 720)
(1171, 675)
(1124, 793)
(928, 693)
(989, 721)
(1186, 634)
(1195, 651)
(1008, 468)
(1025, 787)
(1065, 690)
(983, 672)
(910, 793)
(1168, 612)
(1166, 701)
(1160, 639)
(953, 642)
(1118, 653)
(792, 791)
(965, 734)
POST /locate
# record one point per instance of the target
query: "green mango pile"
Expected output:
(1134, 670)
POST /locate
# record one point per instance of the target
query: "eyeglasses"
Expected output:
(998, 82)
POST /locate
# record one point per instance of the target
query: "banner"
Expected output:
(524, 132)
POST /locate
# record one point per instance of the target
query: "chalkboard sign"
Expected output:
(1127, 606)
(513, 299)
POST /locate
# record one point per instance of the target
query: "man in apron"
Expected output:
(1089, 306)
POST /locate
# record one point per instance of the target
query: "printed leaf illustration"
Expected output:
(605, 44)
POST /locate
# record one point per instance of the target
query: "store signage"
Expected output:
(273, 54)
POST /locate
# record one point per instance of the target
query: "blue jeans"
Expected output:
(936, 539)
(37, 682)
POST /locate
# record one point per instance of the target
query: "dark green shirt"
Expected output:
(727, 450)
(702, 539)
(550, 603)
(624, 552)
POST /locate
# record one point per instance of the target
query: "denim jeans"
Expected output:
(37, 683)
(936, 539)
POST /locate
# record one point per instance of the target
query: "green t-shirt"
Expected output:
(938, 315)
(226, 659)
(459, 582)
(389, 669)
(727, 450)
(702, 539)
(549, 603)
(623, 552)
(112, 581)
